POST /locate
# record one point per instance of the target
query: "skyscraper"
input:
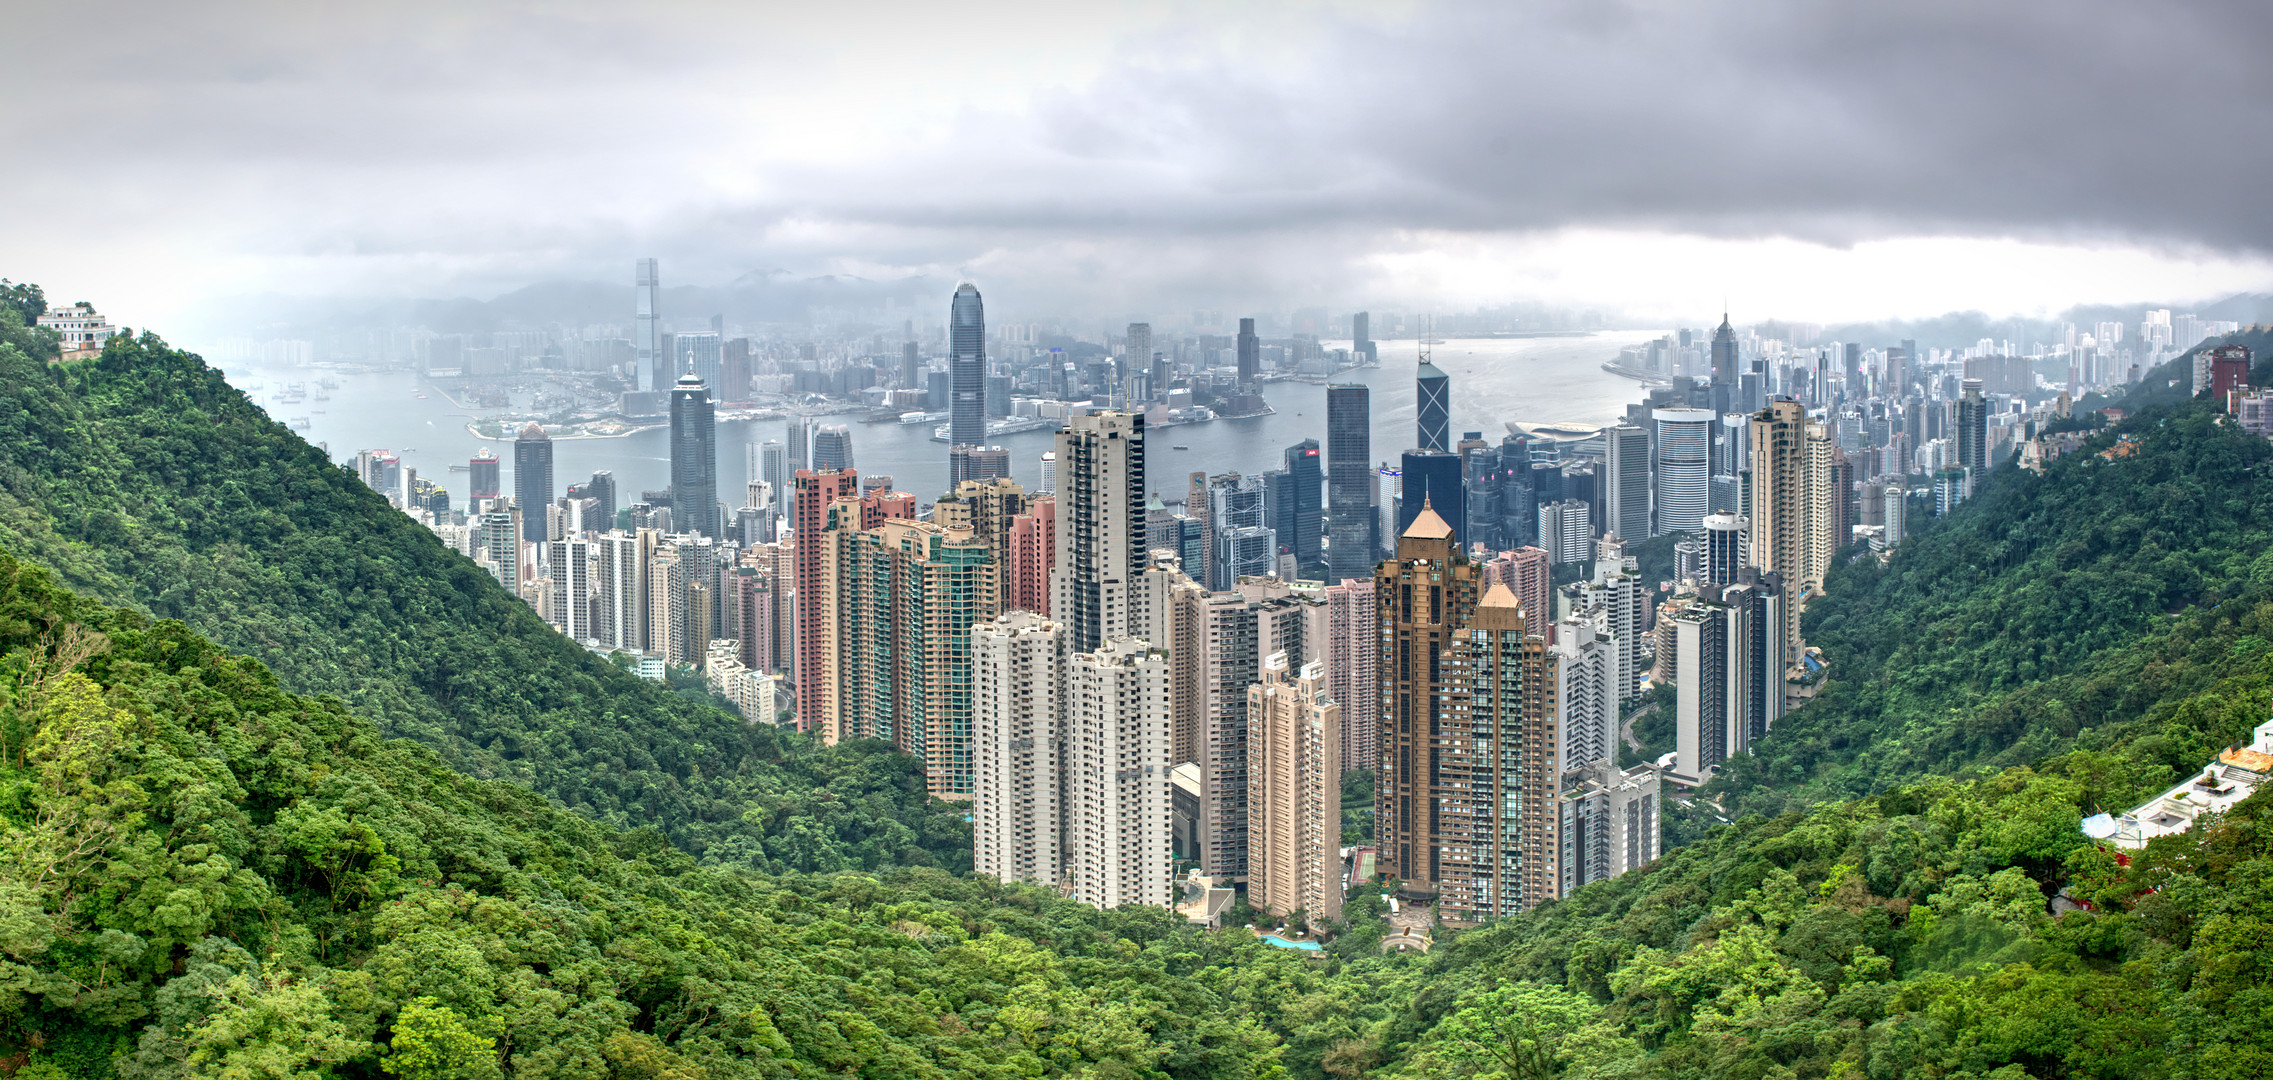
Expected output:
(1724, 548)
(1434, 388)
(694, 459)
(1296, 510)
(1724, 367)
(1729, 665)
(832, 447)
(532, 480)
(1136, 360)
(1626, 482)
(1294, 792)
(1351, 652)
(1792, 514)
(1464, 809)
(966, 373)
(1361, 338)
(647, 359)
(1973, 430)
(815, 620)
(911, 367)
(601, 489)
(1434, 478)
(1350, 513)
(1250, 354)
(1017, 809)
(481, 479)
(1684, 469)
(1100, 528)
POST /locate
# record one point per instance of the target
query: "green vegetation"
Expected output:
(216, 866)
(2049, 613)
(145, 479)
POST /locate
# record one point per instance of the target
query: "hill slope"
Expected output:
(145, 479)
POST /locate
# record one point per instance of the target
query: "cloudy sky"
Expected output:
(1799, 159)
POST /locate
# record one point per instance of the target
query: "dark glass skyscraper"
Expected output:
(602, 490)
(1297, 505)
(966, 373)
(694, 458)
(1250, 353)
(1437, 478)
(1350, 512)
(1435, 390)
(532, 480)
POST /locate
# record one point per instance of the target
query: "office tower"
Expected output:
(694, 458)
(966, 373)
(1684, 469)
(1434, 479)
(532, 480)
(1434, 389)
(1853, 353)
(1724, 366)
(1361, 338)
(1100, 527)
(1137, 361)
(832, 447)
(482, 479)
(815, 620)
(1250, 354)
(734, 370)
(1243, 544)
(620, 601)
(1527, 573)
(1018, 691)
(906, 594)
(1297, 510)
(648, 362)
(978, 462)
(1031, 552)
(911, 367)
(769, 461)
(1049, 484)
(570, 566)
(1610, 822)
(1724, 548)
(1973, 429)
(1626, 482)
(1294, 793)
(601, 489)
(1565, 531)
(800, 447)
(1792, 507)
(1350, 513)
(1389, 497)
(1729, 664)
(1352, 653)
(699, 355)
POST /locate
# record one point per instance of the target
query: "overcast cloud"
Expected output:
(1814, 160)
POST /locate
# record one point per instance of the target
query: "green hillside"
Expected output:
(145, 479)
(2047, 613)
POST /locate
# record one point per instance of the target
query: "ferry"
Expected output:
(1179, 446)
(299, 423)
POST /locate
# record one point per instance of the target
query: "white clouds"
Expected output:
(1642, 155)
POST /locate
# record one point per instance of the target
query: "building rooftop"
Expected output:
(1428, 525)
(2234, 776)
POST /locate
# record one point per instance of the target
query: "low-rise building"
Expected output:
(2235, 775)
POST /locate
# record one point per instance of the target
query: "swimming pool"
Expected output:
(1283, 943)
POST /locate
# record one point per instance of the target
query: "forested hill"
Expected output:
(2047, 613)
(207, 876)
(144, 478)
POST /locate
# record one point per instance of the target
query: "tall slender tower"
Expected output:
(646, 328)
(1790, 526)
(1250, 354)
(1724, 366)
(967, 375)
(1294, 785)
(1138, 357)
(1435, 388)
(1350, 511)
(694, 458)
(532, 481)
(1100, 528)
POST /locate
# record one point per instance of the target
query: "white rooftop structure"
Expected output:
(2234, 776)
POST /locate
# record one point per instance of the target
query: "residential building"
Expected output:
(1100, 527)
(1294, 792)
(1352, 664)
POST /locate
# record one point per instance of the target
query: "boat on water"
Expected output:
(300, 423)
(1179, 446)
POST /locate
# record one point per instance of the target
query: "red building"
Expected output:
(1033, 552)
(2229, 371)
(816, 491)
